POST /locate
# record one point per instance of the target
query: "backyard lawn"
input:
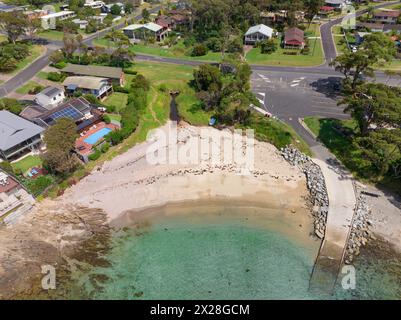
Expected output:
(118, 100)
(26, 163)
(279, 58)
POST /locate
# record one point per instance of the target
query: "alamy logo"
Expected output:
(49, 23)
(49, 279)
(208, 146)
(349, 21)
(348, 281)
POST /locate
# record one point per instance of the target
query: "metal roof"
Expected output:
(261, 28)
(51, 91)
(85, 82)
(96, 71)
(150, 26)
(14, 130)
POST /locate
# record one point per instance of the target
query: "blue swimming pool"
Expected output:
(93, 138)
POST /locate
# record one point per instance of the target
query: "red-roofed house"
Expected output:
(326, 10)
(294, 38)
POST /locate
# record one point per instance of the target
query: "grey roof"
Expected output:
(86, 82)
(96, 71)
(51, 91)
(14, 130)
(33, 111)
(261, 28)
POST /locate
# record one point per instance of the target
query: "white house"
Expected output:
(49, 20)
(258, 33)
(94, 4)
(50, 97)
(146, 31)
(81, 23)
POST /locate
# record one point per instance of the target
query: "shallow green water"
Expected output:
(184, 257)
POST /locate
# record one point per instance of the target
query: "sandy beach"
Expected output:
(56, 230)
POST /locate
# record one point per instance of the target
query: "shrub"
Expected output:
(199, 50)
(140, 82)
(94, 156)
(268, 46)
(305, 51)
(110, 109)
(128, 71)
(120, 89)
(163, 87)
(56, 76)
(106, 118)
(38, 185)
(60, 65)
(105, 147)
(36, 89)
(7, 167)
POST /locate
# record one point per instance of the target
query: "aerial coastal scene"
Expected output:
(200, 150)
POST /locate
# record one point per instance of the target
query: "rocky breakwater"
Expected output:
(360, 229)
(316, 186)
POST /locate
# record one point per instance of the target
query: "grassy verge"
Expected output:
(51, 35)
(27, 87)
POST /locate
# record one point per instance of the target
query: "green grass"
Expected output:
(42, 75)
(279, 58)
(51, 35)
(27, 87)
(176, 51)
(118, 100)
(115, 117)
(26, 163)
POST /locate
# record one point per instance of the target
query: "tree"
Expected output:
(375, 104)
(128, 7)
(268, 46)
(11, 105)
(383, 149)
(312, 8)
(375, 47)
(145, 15)
(208, 77)
(13, 24)
(33, 26)
(60, 142)
(115, 10)
(71, 44)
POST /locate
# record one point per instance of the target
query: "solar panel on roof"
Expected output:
(68, 112)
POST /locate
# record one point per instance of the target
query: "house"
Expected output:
(30, 112)
(326, 11)
(107, 7)
(165, 21)
(79, 110)
(294, 38)
(82, 24)
(386, 16)
(18, 136)
(99, 87)
(258, 33)
(49, 21)
(14, 199)
(373, 27)
(35, 14)
(336, 4)
(115, 75)
(94, 4)
(148, 31)
(50, 97)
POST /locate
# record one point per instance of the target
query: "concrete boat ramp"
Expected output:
(342, 203)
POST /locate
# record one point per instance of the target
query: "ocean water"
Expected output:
(230, 253)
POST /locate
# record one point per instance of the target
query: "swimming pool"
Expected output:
(95, 137)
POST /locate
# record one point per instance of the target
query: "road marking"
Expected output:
(262, 94)
(294, 85)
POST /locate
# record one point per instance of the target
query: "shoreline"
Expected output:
(68, 231)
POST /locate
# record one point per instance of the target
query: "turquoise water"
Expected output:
(221, 256)
(93, 138)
